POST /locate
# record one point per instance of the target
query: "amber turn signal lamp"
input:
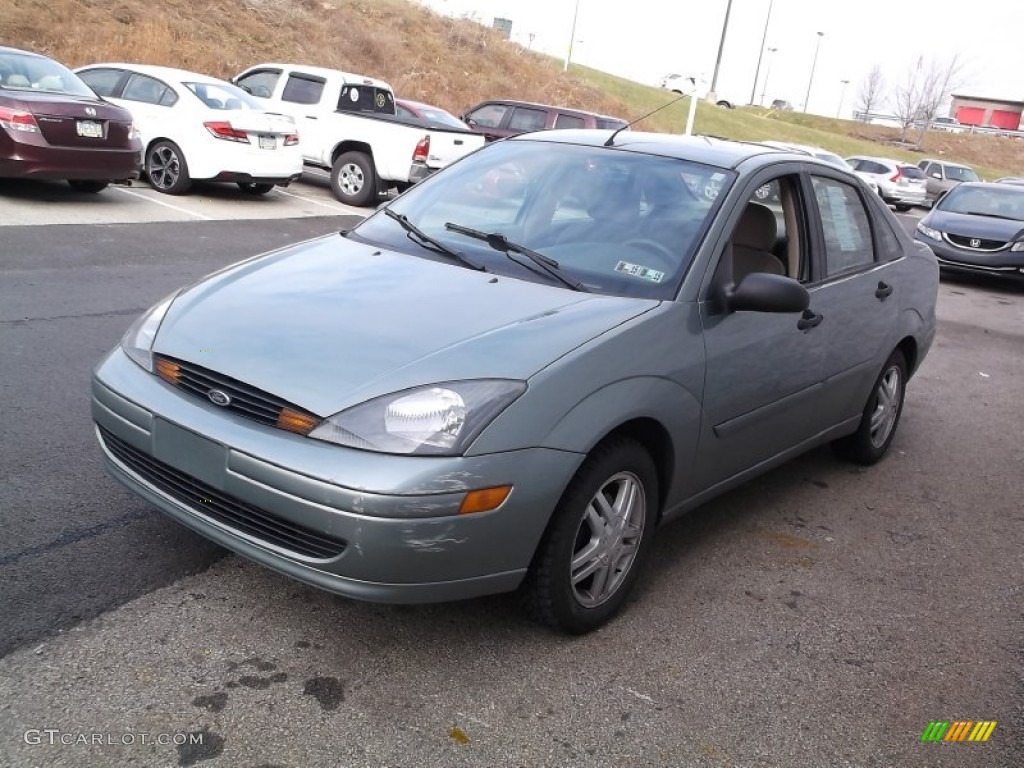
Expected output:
(485, 499)
(294, 421)
(168, 371)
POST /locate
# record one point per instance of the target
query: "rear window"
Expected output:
(911, 172)
(19, 72)
(223, 96)
(366, 98)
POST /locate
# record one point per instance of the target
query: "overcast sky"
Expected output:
(647, 39)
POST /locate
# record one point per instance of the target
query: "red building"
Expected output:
(976, 110)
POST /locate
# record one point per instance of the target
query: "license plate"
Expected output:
(90, 129)
(268, 142)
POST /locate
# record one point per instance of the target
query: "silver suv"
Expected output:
(940, 177)
(900, 184)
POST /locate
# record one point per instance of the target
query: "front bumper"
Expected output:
(1007, 263)
(383, 528)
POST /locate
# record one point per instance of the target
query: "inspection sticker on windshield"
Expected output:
(644, 273)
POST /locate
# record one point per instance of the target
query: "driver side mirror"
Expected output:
(936, 175)
(765, 292)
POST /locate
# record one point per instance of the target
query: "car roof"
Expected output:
(711, 150)
(325, 72)
(943, 162)
(161, 73)
(539, 105)
(9, 49)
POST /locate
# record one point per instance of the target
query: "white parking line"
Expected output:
(165, 205)
(335, 208)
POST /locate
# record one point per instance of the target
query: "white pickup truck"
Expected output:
(347, 124)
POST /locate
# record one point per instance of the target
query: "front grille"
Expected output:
(962, 241)
(245, 400)
(224, 509)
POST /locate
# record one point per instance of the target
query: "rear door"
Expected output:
(151, 102)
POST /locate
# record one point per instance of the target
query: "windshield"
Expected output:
(616, 222)
(223, 96)
(440, 116)
(1002, 202)
(34, 73)
(960, 173)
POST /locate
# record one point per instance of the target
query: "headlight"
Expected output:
(438, 420)
(1017, 246)
(934, 234)
(138, 341)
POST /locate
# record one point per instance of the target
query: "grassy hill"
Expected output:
(453, 63)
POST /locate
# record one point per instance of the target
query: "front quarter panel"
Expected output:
(649, 368)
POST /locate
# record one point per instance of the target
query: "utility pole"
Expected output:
(760, 54)
(814, 64)
(767, 73)
(712, 94)
(572, 36)
(842, 95)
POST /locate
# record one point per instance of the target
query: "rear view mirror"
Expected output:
(764, 292)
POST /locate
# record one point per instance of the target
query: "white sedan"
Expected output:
(196, 127)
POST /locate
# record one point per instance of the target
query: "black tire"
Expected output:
(724, 103)
(167, 169)
(901, 208)
(549, 594)
(354, 179)
(254, 188)
(867, 445)
(82, 185)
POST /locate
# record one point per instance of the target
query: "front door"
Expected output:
(764, 370)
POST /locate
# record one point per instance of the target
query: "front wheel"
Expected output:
(901, 207)
(354, 179)
(81, 185)
(597, 540)
(254, 188)
(880, 417)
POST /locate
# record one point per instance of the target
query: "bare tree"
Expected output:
(940, 78)
(872, 92)
(917, 98)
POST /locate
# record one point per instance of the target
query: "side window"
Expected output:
(569, 121)
(104, 82)
(261, 83)
(528, 119)
(303, 89)
(845, 225)
(489, 115)
(933, 168)
(145, 89)
(768, 237)
(855, 164)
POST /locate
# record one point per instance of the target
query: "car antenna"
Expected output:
(611, 139)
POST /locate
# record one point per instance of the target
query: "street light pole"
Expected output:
(842, 95)
(572, 36)
(767, 73)
(814, 64)
(721, 47)
(760, 54)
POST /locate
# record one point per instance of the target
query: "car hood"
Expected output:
(331, 323)
(975, 226)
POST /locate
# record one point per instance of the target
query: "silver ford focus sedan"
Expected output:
(510, 376)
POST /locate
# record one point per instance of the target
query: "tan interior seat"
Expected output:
(752, 243)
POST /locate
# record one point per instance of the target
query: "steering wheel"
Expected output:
(668, 259)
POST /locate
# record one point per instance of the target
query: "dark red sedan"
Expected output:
(52, 126)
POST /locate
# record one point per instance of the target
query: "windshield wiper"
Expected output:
(422, 238)
(499, 242)
(992, 215)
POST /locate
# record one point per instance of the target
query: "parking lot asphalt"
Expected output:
(823, 615)
(50, 202)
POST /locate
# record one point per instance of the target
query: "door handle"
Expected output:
(809, 320)
(883, 292)
(311, 117)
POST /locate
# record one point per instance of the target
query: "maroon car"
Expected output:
(52, 126)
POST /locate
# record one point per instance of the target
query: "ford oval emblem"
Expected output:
(217, 397)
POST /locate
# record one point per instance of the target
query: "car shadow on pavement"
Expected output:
(35, 191)
(990, 283)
